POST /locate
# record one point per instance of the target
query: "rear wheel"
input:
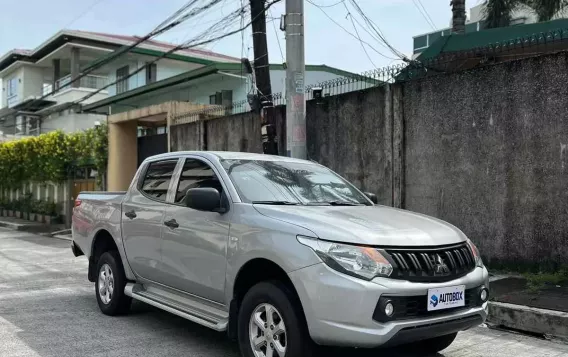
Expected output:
(271, 323)
(109, 285)
(436, 344)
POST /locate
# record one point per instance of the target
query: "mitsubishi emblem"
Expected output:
(439, 266)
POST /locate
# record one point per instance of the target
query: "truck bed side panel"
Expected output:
(99, 211)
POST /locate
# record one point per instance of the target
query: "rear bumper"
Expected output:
(339, 308)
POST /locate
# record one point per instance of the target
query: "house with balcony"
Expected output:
(35, 83)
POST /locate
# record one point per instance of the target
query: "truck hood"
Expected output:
(367, 225)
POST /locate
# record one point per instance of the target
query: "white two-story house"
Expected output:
(35, 83)
(37, 86)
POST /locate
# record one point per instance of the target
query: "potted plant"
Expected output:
(33, 210)
(50, 211)
(10, 209)
(18, 208)
(4, 204)
(26, 205)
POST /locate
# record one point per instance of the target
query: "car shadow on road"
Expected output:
(69, 323)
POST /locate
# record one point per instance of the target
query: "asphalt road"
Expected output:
(48, 308)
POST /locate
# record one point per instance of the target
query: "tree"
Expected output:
(458, 16)
(498, 13)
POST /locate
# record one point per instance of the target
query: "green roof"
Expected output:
(180, 78)
(486, 38)
(198, 73)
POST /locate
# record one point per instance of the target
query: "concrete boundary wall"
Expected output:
(483, 149)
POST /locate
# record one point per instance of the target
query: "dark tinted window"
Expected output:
(157, 179)
(196, 174)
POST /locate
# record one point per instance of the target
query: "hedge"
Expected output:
(50, 156)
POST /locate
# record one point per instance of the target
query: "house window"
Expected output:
(224, 98)
(122, 80)
(151, 70)
(12, 87)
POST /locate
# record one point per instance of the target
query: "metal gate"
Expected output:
(151, 145)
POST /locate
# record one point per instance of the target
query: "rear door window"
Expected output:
(157, 179)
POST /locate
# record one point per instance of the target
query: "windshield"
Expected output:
(285, 182)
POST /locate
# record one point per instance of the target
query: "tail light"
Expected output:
(77, 202)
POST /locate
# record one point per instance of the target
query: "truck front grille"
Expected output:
(436, 264)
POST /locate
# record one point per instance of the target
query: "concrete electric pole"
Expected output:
(295, 72)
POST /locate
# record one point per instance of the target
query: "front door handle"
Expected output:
(172, 223)
(130, 214)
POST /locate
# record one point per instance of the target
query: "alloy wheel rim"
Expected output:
(106, 284)
(267, 332)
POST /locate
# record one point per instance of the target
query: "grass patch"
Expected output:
(537, 281)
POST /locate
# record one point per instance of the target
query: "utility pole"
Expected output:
(295, 73)
(262, 75)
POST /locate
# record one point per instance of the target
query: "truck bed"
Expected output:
(95, 210)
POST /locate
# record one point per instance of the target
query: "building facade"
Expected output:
(35, 83)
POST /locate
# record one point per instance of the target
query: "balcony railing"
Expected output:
(89, 81)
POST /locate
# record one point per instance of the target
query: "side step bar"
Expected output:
(188, 309)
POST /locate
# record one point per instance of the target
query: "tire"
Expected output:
(260, 299)
(436, 344)
(115, 302)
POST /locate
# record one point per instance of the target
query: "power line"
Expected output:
(330, 5)
(161, 28)
(222, 24)
(347, 31)
(427, 14)
(424, 14)
(277, 38)
(95, 3)
(359, 37)
(377, 30)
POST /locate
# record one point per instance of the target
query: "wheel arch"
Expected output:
(251, 273)
(103, 241)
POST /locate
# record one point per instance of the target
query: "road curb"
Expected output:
(529, 319)
(33, 228)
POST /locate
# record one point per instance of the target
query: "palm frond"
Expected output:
(546, 9)
(498, 13)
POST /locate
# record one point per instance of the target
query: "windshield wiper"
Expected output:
(279, 203)
(343, 203)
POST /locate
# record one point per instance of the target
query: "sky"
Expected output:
(27, 23)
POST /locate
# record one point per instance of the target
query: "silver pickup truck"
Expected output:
(283, 254)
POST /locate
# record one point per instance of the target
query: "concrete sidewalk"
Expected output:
(543, 311)
(23, 225)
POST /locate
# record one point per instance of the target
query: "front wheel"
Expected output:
(110, 283)
(271, 323)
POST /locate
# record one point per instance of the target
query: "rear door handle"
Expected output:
(130, 214)
(172, 223)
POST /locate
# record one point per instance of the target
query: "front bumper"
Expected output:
(339, 308)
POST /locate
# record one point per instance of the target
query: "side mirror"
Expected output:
(203, 199)
(372, 197)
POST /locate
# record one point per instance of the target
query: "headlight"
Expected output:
(361, 262)
(476, 255)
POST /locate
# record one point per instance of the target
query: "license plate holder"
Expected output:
(446, 298)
